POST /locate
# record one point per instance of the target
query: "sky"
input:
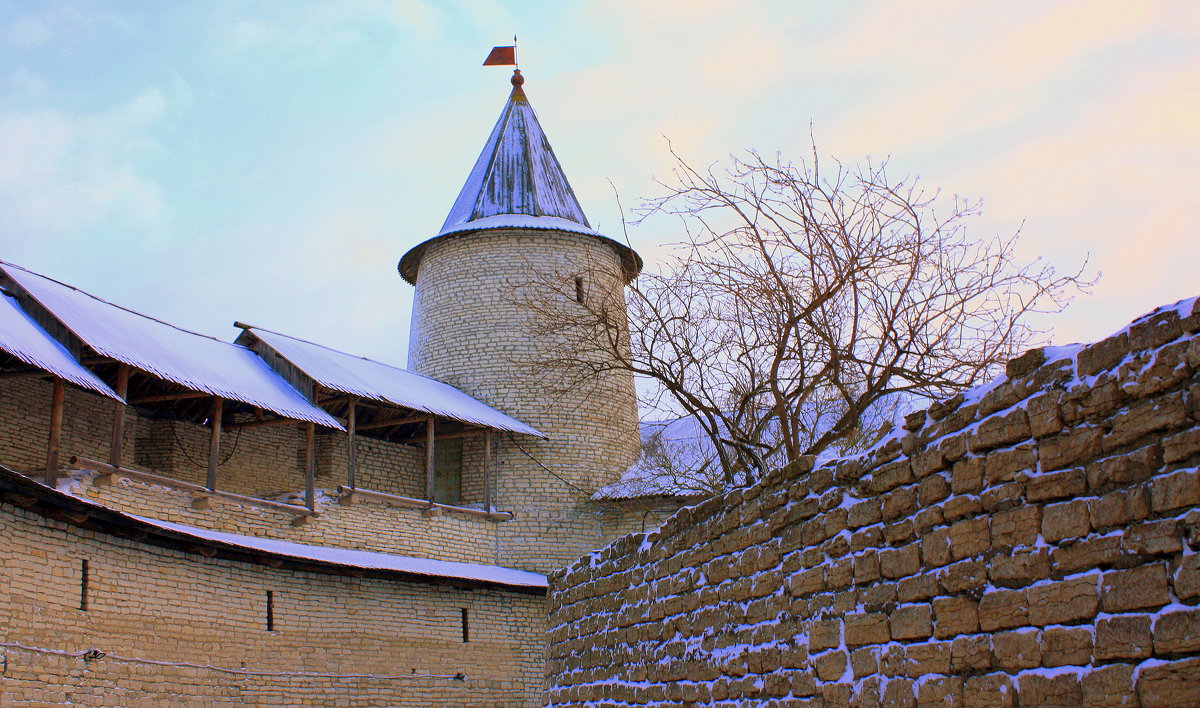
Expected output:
(270, 161)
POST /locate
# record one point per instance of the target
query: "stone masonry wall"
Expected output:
(1032, 543)
(156, 605)
(470, 330)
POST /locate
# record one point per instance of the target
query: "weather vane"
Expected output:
(506, 56)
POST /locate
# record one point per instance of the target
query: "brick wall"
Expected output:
(150, 603)
(1031, 543)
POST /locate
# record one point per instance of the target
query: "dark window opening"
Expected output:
(83, 585)
(579, 288)
(466, 627)
(448, 464)
(270, 611)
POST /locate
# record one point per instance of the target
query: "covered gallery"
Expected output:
(249, 421)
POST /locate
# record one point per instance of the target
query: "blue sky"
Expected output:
(271, 161)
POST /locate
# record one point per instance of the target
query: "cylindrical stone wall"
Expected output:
(472, 328)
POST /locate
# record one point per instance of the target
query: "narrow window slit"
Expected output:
(83, 585)
(270, 611)
(579, 288)
(466, 627)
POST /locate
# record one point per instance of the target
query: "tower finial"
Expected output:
(517, 80)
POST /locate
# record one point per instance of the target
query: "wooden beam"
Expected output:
(200, 490)
(56, 415)
(116, 449)
(406, 420)
(310, 465)
(424, 504)
(464, 434)
(430, 424)
(351, 441)
(263, 423)
(164, 397)
(487, 469)
(214, 441)
(23, 372)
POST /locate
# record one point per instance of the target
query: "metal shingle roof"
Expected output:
(377, 381)
(516, 173)
(194, 361)
(23, 338)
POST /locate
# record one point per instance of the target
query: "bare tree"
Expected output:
(802, 308)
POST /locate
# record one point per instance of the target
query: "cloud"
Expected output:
(62, 23)
(61, 173)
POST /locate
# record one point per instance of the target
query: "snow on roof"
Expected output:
(369, 560)
(521, 221)
(23, 338)
(680, 465)
(374, 380)
(194, 361)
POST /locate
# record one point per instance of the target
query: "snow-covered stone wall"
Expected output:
(1030, 543)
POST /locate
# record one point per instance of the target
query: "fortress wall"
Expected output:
(1031, 543)
(145, 602)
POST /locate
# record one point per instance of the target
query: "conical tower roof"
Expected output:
(516, 174)
(518, 183)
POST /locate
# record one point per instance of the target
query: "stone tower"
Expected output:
(515, 223)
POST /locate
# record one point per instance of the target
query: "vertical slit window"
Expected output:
(270, 611)
(466, 626)
(83, 585)
(579, 288)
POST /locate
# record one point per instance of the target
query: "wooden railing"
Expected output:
(107, 472)
(430, 508)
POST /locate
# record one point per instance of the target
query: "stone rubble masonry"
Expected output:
(1031, 543)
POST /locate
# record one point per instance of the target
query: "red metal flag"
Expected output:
(501, 56)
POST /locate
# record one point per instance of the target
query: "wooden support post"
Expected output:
(56, 415)
(310, 464)
(118, 426)
(214, 441)
(429, 481)
(487, 470)
(351, 442)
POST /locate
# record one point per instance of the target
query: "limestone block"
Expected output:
(1063, 601)
(1057, 690)
(1066, 646)
(1016, 650)
(1176, 683)
(1135, 588)
(1123, 637)
(1069, 447)
(1109, 687)
(1056, 485)
(955, 615)
(1003, 609)
(1177, 632)
(1065, 520)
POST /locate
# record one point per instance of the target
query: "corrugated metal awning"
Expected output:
(23, 338)
(195, 361)
(372, 380)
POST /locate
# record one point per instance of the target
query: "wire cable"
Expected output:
(552, 472)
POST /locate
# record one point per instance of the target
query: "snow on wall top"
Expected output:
(194, 361)
(23, 338)
(373, 380)
(363, 559)
(516, 173)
